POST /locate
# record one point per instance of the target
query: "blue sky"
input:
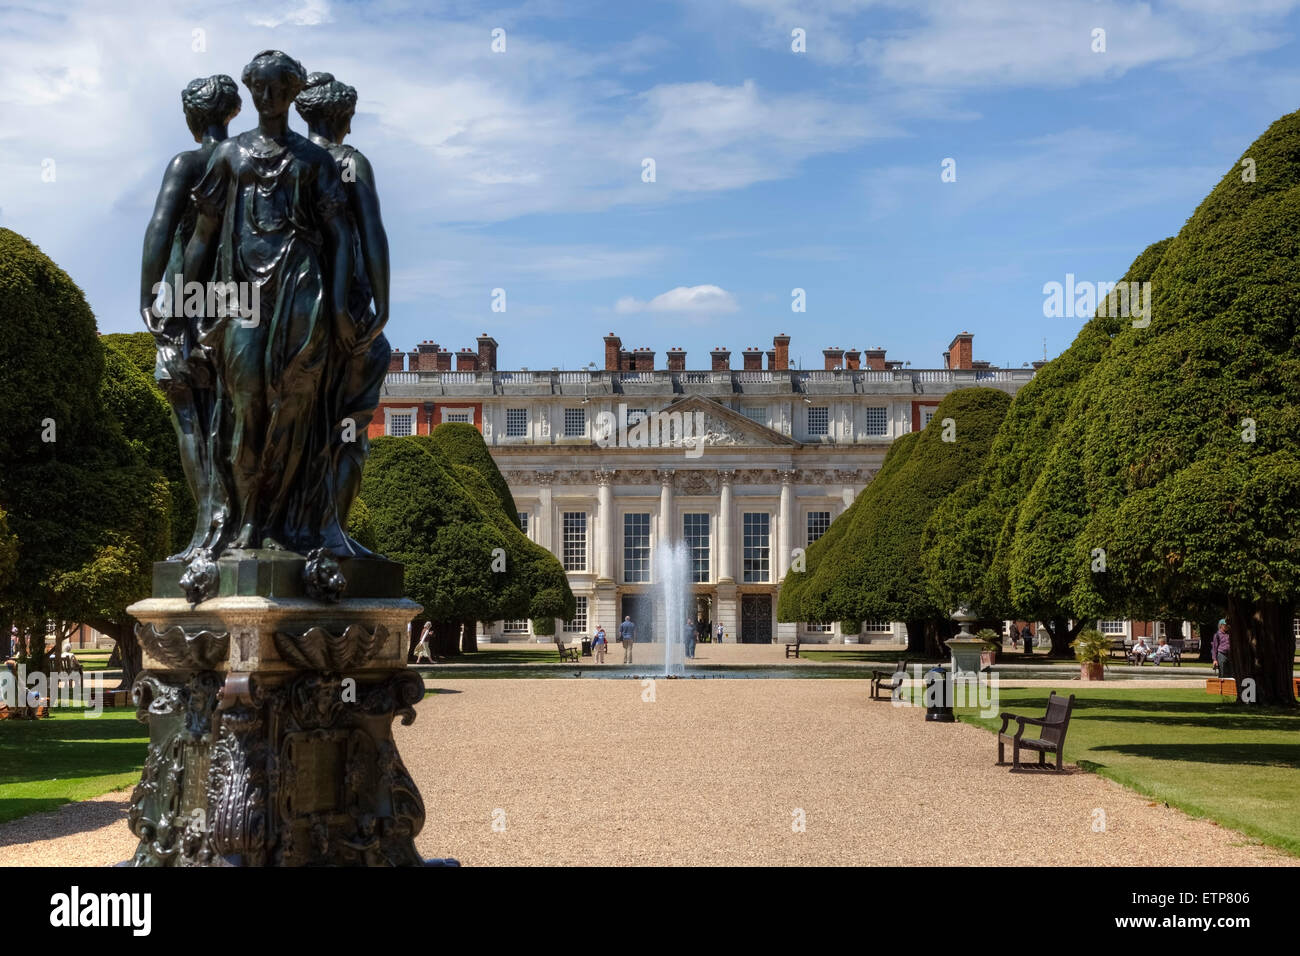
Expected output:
(774, 169)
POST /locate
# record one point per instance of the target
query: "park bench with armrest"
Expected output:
(888, 679)
(567, 653)
(1118, 648)
(792, 650)
(1050, 739)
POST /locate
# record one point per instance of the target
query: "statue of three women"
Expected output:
(271, 401)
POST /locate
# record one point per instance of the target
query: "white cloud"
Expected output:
(308, 14)
(697, 299)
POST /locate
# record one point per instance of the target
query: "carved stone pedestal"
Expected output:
(270, 728)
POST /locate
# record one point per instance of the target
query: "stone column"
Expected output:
(545, 517)
(785, 536)
(606, 517)
(667, 533)
(726, 570)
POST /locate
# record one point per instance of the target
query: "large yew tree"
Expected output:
(1189, 444)
(873, 570)
(86, 510)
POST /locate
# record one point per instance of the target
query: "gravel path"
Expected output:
(714, 772)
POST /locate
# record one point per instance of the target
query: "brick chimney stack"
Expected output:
(396, 361)
(627, 360)
(771, 359)
(753, 358)
(721, 359)
(781, 345)
(875, 359)
(466, 361)
(676, 359)
(613, 349)
(425, 352)
(961, 352)
(853, 360)
(487, 353)
(443, 359)
(643, 360)
(834, 358)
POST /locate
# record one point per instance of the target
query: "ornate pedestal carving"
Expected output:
(270, 732)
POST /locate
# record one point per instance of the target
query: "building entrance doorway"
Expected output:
(756, 619)
(641, 608)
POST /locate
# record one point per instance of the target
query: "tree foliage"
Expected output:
(87, 509)
(871, 569)
(977, 538)
(465, 557)
(1188, 431)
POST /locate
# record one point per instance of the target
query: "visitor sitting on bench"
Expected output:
(1163, 652)
(1140, 651)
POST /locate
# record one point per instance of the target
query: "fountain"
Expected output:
(674, 600)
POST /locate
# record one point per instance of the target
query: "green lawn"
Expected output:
(1200, 753)
(67, 757)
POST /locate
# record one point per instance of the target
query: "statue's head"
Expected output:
(209, 101)
(327, 104)
(274, 79)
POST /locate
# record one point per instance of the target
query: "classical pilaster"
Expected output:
(667, 531)
(726, 570)
(785, 532)
(606, 519)
(545, 517)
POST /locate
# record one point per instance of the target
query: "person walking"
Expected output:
(1219, 649)
(1027, 635)
(690, 637)
(627, 636)
(422, 648)
(598, 644)
(719, 634)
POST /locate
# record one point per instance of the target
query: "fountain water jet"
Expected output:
(674, 600)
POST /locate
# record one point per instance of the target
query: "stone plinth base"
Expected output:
(270, 733)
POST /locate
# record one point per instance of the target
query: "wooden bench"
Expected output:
(1175, 653)
(1118, 648)
(1051, 738)
(890, 680)
(567, 653)
(792, 650)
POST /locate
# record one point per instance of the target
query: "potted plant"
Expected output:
(851, 629)
(990, 637)
(1092, 650)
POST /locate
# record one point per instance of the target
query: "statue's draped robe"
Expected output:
(359, 378)
(273, 201)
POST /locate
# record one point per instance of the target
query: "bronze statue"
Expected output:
(272, 218)
(271, 687)
(357, 376)
(184, 372)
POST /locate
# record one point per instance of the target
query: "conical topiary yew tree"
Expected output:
(1185, 444)
(872, 570)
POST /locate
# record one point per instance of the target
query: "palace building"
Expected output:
(746, 466)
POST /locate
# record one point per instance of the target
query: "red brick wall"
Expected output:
(916, 413)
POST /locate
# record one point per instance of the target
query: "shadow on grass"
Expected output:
(1255, 755)
(71, 746)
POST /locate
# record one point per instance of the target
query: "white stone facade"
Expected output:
(783, 454)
